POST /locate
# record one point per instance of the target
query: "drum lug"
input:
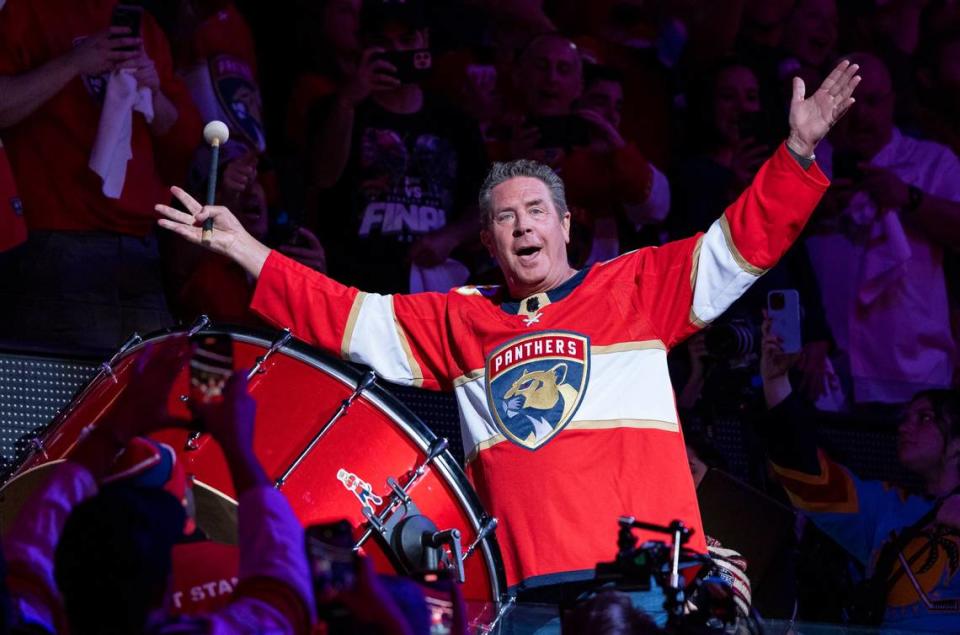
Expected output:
(198, 325)
(36, 444)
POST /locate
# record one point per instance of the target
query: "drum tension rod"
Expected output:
(368, 379)
(106, 368)
(487, 526)
(401, 494)
(277, 344)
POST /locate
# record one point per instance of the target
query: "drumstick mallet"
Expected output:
(216, 134)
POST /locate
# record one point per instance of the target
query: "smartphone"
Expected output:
(129, 16)
(846, 165)
(437, 587)
(783, 307)
(210, 367)
(561, 131)
(412, 66)
(333, 563)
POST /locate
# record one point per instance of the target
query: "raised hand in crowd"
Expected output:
(604, 136)
(144, 70)
(140, 409)
(105, 52)
(774, 365)
(305, 248)
(815, 376)
(238, 175)
(812, 117)
(371, 75)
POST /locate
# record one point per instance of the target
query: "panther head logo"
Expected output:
(535, 384)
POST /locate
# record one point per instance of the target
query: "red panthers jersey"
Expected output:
(567, 413)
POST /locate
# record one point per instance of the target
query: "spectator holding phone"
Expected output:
(394, 165)
(71, 282)
(106, 551)
(907, 542)
(619, 191)
(892, 211)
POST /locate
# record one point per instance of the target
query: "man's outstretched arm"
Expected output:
(756, 229)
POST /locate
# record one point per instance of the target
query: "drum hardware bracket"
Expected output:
(388, 517)
(277, 344)
(198, 325)
(487, 526)
(368, 380)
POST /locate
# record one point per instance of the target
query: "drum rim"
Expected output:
(388, 403)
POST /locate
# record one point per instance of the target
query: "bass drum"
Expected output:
(371, 453)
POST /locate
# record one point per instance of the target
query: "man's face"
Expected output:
(920, 442)
(341, 23)
(604, 97)
(868, 126)
(527, 236)
(811, 31)
(736, 92)
(550, 76)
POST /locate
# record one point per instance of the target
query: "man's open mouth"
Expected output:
(528, 251)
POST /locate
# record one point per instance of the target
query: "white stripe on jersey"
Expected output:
(377, 342)
(649, 400)
(720, 278)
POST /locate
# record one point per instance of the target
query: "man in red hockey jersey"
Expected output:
(561, 375)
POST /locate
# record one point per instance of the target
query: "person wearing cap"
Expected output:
(560, 375)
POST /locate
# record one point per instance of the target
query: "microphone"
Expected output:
(216, 134)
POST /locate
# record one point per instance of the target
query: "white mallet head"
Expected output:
(216, 133)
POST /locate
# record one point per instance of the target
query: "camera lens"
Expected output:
(777, 301)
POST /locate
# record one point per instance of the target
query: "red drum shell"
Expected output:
(297, 391)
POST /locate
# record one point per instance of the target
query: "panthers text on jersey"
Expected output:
(567, 413)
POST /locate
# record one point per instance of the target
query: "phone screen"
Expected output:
(210, 367)
(412, 66)
(331, 557)
(127, 16)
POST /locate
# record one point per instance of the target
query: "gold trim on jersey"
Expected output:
(351, 324)
(737, 256)
(416, 373)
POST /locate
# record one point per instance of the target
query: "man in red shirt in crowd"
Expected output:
(89, 272)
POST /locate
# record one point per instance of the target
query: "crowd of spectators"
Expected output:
(361, 130)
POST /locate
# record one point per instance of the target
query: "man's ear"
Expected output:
(565, 223)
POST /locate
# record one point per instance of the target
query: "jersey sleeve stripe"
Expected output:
(416, 373)
(721, 277)
(375, 340)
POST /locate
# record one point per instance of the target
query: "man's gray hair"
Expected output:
(501, 172)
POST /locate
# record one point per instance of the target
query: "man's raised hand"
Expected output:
(812, 117)
(229, 236)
